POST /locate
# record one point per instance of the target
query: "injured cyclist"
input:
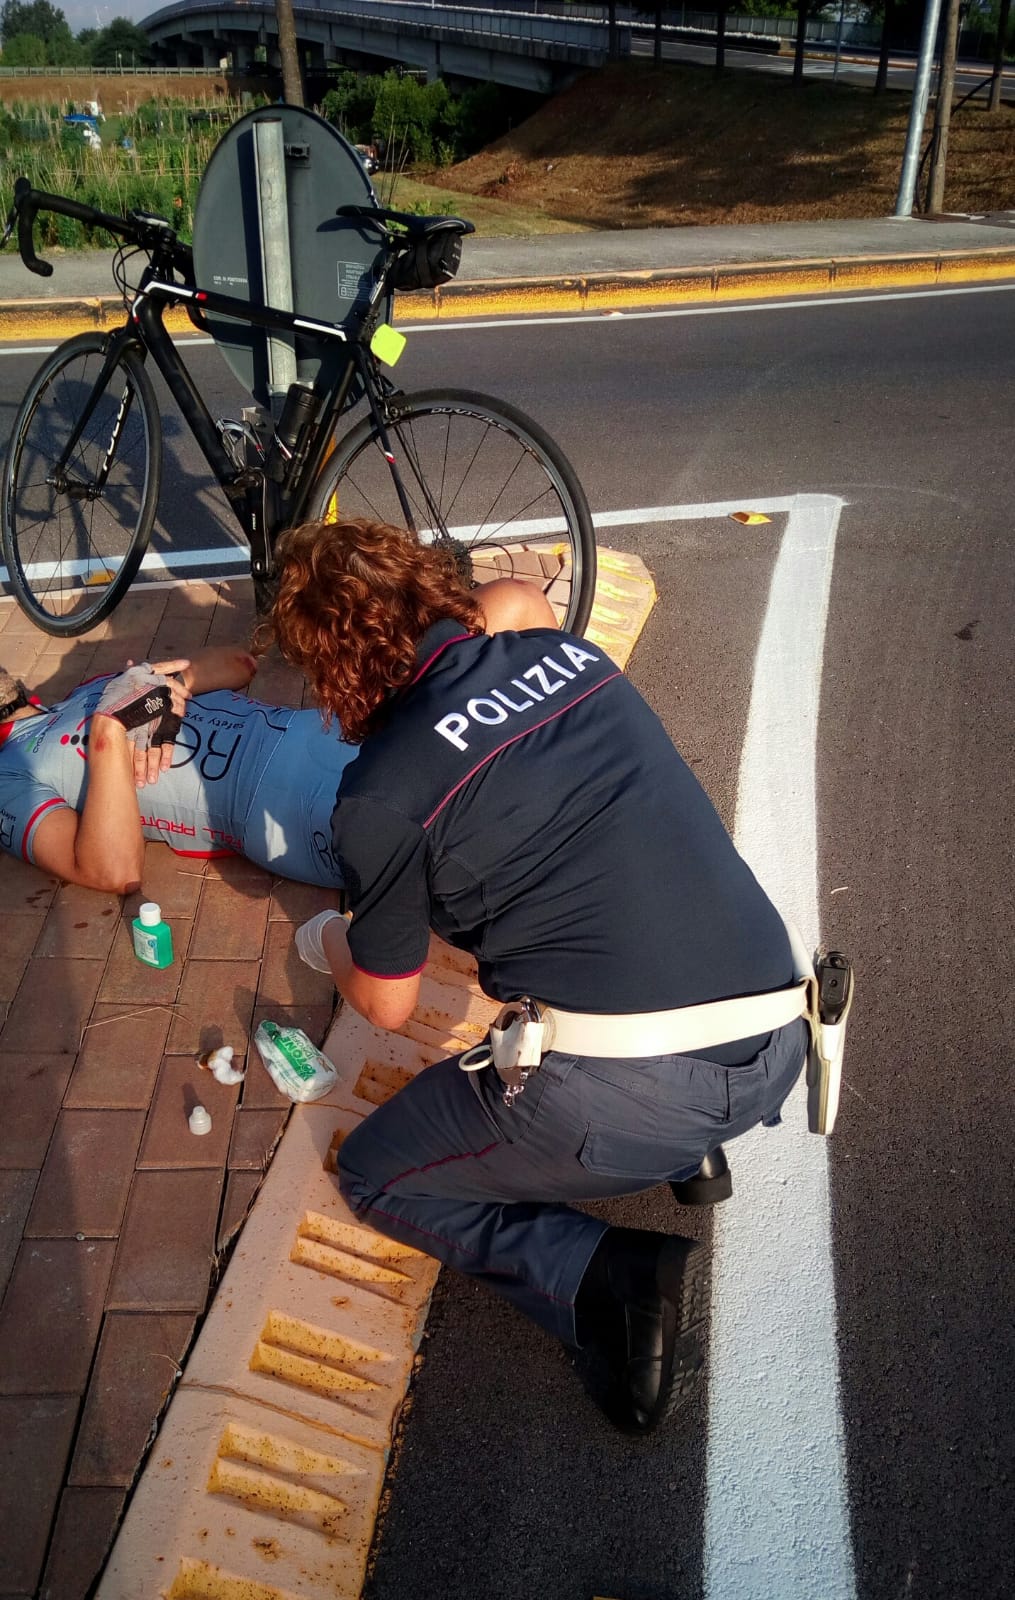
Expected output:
(180, 753)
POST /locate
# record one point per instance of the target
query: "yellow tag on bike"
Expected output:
(387, 344)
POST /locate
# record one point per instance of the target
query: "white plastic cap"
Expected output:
(199, 1120)
(150, 914)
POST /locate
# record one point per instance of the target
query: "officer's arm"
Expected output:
(386, 1002)
(510, 604)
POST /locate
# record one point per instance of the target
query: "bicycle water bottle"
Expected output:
(298, 411)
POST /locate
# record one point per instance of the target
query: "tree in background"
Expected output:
(39, 20)
(1001, 42)
(415, 120)
(349, 104)
(25, 50)
(122, 44)
(292, 78)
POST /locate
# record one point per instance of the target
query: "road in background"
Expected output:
(508, 1483)
(852, 69)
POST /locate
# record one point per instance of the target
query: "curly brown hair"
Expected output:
(354, 599)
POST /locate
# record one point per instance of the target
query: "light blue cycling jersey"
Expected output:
(246, 778)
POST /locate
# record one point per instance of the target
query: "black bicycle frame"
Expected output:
(261, 506)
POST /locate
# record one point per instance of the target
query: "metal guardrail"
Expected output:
(543, 29)
(489, 24)
(818, 30)
(553, 21)
(110, 72)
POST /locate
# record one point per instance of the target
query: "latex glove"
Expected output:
(309, 945)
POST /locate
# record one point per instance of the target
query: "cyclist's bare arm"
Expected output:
(103, 846)
(509, 604)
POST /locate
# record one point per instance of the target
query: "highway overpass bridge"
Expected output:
(522, 50)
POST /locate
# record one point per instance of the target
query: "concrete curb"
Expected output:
(608, 291)
(28, 320)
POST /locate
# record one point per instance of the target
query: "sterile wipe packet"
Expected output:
(296, 1067)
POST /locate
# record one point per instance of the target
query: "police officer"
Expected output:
(515, 794)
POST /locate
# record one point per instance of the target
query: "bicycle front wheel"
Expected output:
(481, 474)
(74, 532)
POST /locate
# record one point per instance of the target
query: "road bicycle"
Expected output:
(84, 466)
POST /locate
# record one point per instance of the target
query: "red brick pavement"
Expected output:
(113, 1216)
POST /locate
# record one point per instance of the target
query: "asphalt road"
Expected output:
(901, 75)
(508, 1483)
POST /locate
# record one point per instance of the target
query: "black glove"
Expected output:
(166, 729)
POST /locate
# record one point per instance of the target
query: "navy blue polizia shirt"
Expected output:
(526, 804)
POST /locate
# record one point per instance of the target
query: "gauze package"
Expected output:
(296, 1066)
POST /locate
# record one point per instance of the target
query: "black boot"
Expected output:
(712, 1182)
(643, 1303)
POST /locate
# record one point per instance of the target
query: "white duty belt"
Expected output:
(526, 1029)
(686, 1029)
(683, 1031)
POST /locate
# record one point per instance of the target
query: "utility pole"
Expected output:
(994, 103)
(720, 36)
(943, 110)
(292, 82)
(918, 111)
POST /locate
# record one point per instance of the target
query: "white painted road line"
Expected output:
(170, 562)
(777, 1523)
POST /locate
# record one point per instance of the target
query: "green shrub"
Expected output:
(160, 174)
(418, 122)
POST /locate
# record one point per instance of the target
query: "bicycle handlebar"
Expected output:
(137, 229)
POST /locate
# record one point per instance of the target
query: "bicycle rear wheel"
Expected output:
(479, 472)
(73, 539)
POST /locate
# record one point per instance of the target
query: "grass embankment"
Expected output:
(633, 147)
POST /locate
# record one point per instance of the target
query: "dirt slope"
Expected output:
(633, 147)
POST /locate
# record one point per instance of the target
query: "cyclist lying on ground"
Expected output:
(237, 777)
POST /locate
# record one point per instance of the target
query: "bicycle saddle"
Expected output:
(415, 227)
(429, 249)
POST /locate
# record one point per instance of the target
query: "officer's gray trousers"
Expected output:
(446, 1167)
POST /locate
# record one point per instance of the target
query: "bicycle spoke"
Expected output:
(71, 542)
(469, 471)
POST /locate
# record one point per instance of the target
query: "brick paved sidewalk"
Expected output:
(113, 1216)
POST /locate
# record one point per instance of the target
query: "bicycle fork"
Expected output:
(58, 478)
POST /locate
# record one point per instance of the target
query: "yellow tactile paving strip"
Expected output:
(265, 1479)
